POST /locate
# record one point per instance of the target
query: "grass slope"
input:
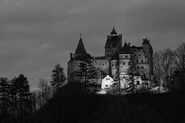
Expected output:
(73, 104)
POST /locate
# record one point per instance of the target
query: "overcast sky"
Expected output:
(35, 35)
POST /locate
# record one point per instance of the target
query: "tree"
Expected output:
(43, 94)
(180, 56)
(13, 100)
(4, 99)
(88, 72)
(164, 67)
(58, 78)
(179, 79)
(21, 85)
(157, 68)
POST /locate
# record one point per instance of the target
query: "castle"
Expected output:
(118, 62)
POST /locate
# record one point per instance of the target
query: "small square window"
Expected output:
(126, 56)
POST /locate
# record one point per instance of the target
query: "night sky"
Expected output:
(35, 35)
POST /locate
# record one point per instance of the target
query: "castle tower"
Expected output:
(113, 43)
(75, 60)
(149, 54)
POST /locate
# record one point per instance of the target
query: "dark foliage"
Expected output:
(58, 77)
(73, 103)
(16, 101)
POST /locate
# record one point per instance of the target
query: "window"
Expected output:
(107, 78)
(123, 63)
(142, 67)
(137, 67)
(126, 56)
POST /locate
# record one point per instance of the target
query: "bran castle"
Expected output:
(118, 62)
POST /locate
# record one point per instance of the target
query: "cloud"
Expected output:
(37, 34)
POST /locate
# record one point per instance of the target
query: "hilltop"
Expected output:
(73, 103)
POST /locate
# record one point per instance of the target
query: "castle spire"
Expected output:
(113, 32)
(80, 48)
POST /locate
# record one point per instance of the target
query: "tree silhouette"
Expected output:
(88, 72)
(58, 78)
(43, 94)
(23, 94)
(4, 91)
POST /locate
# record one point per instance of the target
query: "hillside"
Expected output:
(73, 104)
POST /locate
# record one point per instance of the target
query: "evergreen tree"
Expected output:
(13, 100)
(23, 94)
(89, 72)
(4, 99)
(58, 78)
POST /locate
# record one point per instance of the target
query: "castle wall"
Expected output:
(102, 64)
(73, 67)
(114, 69)
(143, 70)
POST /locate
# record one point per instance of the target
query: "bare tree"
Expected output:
(43, 94)
(180, 56)
(157, 67)
(164, 66)
(179, 79)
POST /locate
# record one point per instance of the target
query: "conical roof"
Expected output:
(80, 48)
(113, 31)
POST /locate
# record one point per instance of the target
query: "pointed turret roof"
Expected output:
(126, 49)
(80, 48)
(113, 32)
